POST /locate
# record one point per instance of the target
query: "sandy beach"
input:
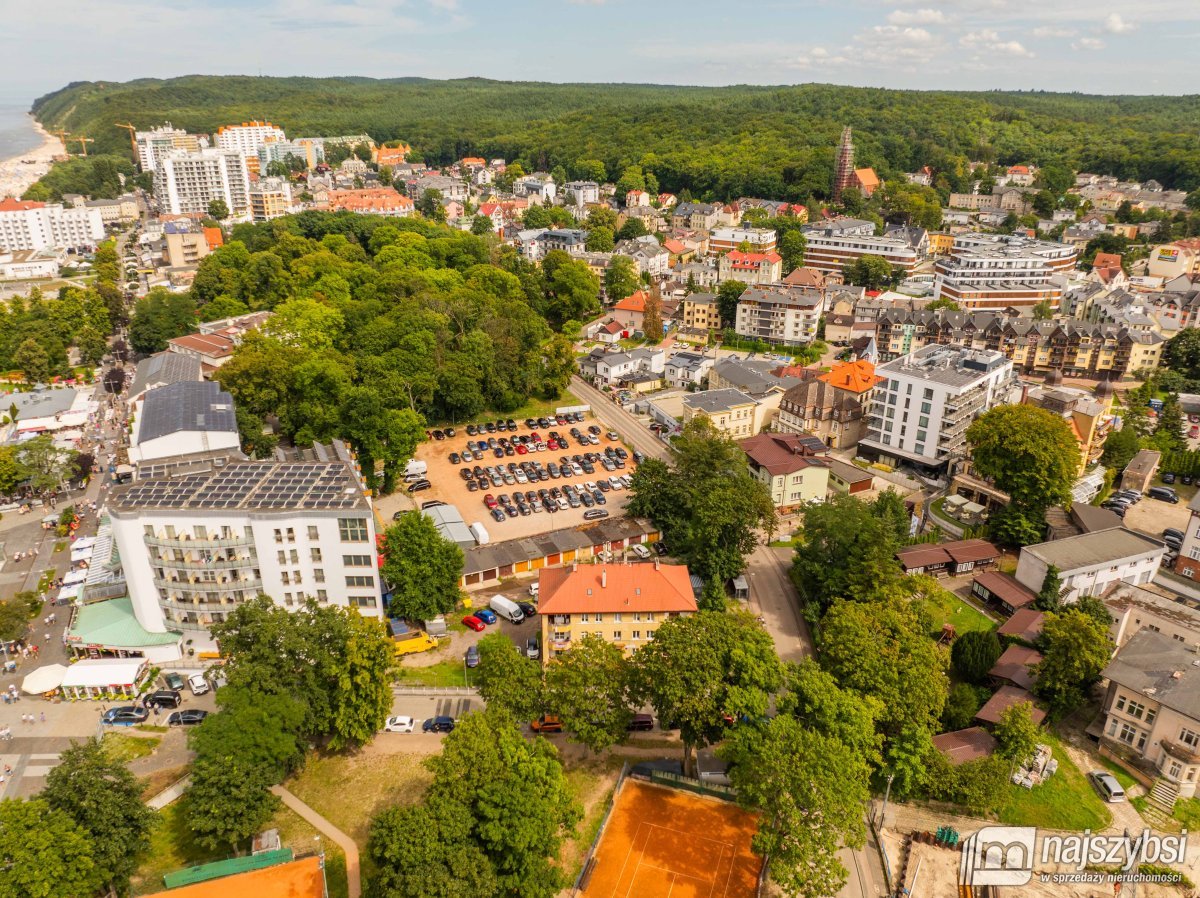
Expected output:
(16, 176)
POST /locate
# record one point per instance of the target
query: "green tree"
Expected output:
(872, 272)
(707, 505)
(33, 361)
(104, 799)
(572, 292)
(652, 322)
(160, 316)
(427, 851)
(46, 853)
(481, 225)
(792, 247)
(813, 697)
(91, 345)
(728, 295)
(600, 240)
(228, 801)
(1016, 733)
(602, 217)
(1077, 647)
(908, 760)
(1168, 431)
(507, 680)
(1049, 597)
(942, 302)
(429, 203)
(218, 209)
(588, 688)
(1043, 311)
(516, 797)
(699, 668)
(12, 472)
(882, 649)
(45, 464)
(807, 814)
(974, 653)
(1182, 353)
(591, 170)
(1120, 447)
(1044, 203)
(620, 278)
(962, 704)
(14, 621)
(422, 567)
(631, 178)
(631, 229)
(262, 730)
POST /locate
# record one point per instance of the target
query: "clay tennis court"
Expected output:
(666, 843)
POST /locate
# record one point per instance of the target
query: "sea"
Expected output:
(17, 135)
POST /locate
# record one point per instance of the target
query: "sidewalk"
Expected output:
(353, 876)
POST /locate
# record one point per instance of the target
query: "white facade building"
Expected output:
(187, 182)
(843, 241)
(1090, 563)
(183, 418)
(193, 547)
(921, 412)
(29, 225)
(154, 144)
(581, 192)
(780, 314)
(247, 137)
(724, 240)
(994, 271)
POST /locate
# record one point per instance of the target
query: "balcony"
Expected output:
(560, 620)
(190, 565)
(208, 585)
(179, 542)
(1180, 752)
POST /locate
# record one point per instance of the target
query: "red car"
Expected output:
(521, 450)
(490, 501)
(552, 445)
(533, 437)
(474, 623)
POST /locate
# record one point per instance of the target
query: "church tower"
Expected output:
(844, 174)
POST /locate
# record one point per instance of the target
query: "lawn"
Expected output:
(444, 673)
(1124, 777)
(591, 784)
(123, 748)
(1187, 812)
(1065, 801)
(350, 790)
(944, 607)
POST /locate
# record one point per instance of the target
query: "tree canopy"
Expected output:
(422, 567)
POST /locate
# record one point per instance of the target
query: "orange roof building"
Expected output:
(392, 155)
(12, 204)
(371, 201)
(866, 180)
(622, 603)
(473, 162)
(634, 302)
(855, 377)
(302, 878)
(214, 237)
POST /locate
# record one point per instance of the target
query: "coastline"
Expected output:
(16, 176)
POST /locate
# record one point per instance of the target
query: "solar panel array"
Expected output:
(250, 485)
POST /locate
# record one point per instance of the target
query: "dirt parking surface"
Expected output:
(1152, 516)
(449, 487)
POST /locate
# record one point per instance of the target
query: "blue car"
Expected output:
(486, 615)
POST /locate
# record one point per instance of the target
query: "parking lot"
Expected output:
(448, 485)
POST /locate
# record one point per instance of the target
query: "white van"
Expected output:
(480, 533)
(415, 471)
(507, 609)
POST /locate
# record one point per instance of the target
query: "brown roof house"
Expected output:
(1016, 667)
(792, 466)
(961, 746)
(956, 557)
(1001, 589)
(1004, 698)
(1025, 625)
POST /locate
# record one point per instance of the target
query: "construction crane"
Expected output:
(62, 137)
(83, 142)
(132, 137)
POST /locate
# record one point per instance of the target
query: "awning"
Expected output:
(69, 593)
(75, 577)
(86, 543)
(101, 672)
(43, 679)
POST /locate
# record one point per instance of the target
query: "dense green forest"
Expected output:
(713, 142)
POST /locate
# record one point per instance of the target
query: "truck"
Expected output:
(507, 609)
(482, 538)
(413, 641)
(416, 470)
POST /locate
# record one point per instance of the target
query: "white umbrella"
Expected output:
(44, 679)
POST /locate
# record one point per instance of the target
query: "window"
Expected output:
(278, 535)
(921, 435)
(616, 634)
(314, 554)
(616, 617)
(319, 574)
(583, 618)
(287, 599)
(295, 556)
(1127, 734)
(919, 449)
(922, 421)
(1120, 705)
(649, 615)
(291, 535)
(281, 556)
(201, 532)
(356, 560)
(352, 530)
(635, 635)
(286, 577)
(1188, 738)
(362, 601)
(322, 596)
(312, 532)
(925, 408)
(360, 581)
(928, 393)
(1135, 709)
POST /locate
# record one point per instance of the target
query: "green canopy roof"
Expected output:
(111, 624)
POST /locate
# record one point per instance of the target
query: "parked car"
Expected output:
(547, 723)
(163, 698)
(474, 623)
(124, 716)
(399, 725)
(174, 681)
(1173, 531)
(594, 514)
(419, 485)
(660, 547)
(1168, 477)
(189, 718)
(528, 609)
(1108, 787)
(533, 651)
(473, 656)
(1163, 494)
(197, 684)
(440, 724)
(487, 615)
(640, 551)
(640, 723)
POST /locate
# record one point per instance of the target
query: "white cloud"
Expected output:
(1088, 43)
(1114, 24)
(989, 41)
(1053, 31)
(902, 43)
(917, 17)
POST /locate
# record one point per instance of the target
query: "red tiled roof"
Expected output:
(1018, 169)
(1107, 260)
(301, 878)
(867, 178)
(1005, 588)
(751, 261)
(1014, 665)
(779, 453)
(214, 237)
(615, 587)
(1004, 698)
(856, 377)
(368, 199)
(674, 247)
(961, 746)
(612, 327)
(635, 302)
(12, 204)
(206, 344)
(959, 552)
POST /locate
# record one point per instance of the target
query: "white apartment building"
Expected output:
(195, 546)
(247, 137)
(580, 192)
(780, 314)
(995, 271)
(921, 412)
(307, 150)
(1090, 563)
(158, 142)
(187, 182)
(843, 241)
(724, 240)
(37, 226)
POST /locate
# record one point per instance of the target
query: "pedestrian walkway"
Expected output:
(353, 876)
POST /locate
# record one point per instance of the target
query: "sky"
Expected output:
(1095, 46)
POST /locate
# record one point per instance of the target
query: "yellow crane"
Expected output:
(62, 138)
(132, 137)
(83, 142)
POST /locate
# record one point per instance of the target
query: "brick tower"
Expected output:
(844, 173)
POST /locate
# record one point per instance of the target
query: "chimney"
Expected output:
(603, 577)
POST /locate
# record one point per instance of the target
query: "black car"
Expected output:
(472, 486)
(660, 547)
(528, 609)
(455, 458)
(188, 718)
(440, 724)
(473, 656)
(543, 423)
(497, 515)
(471, 431)
(419, 485)
(531, 423)
(1187, 479)
(438, 435)
(163, 698)
(1168, 478)
(511, 425)
(490, 427)
(621, 453)
(450, 432)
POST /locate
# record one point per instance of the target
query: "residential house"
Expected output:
(688, 369)
(792, 466)
(832, 405)
(631, 310)
(1025, 625)
(849, 479)
(865, 180)
(1088, 416)
(806, 277)
(958, 557)
(621, 603)
(647, 253)
(1149, 607)
(779, 314)
(703, 275)
(370, 201)
(695, 216)
(725, 240)
(607, 331)
(1090, 563)
(615, 368)
(581, 193)
(1002, 591)
(571, 241)
(730, 412)
(759, 379)
(1152, 709)
(636, 198)
(538, 188)
(1004, 698)
(750, 268)
(1016, 667)
(701, 312)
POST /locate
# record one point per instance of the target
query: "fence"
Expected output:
(435, 690)
(712, 790)
(589, 862)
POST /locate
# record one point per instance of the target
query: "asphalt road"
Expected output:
(634, 431)
(774, 597)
